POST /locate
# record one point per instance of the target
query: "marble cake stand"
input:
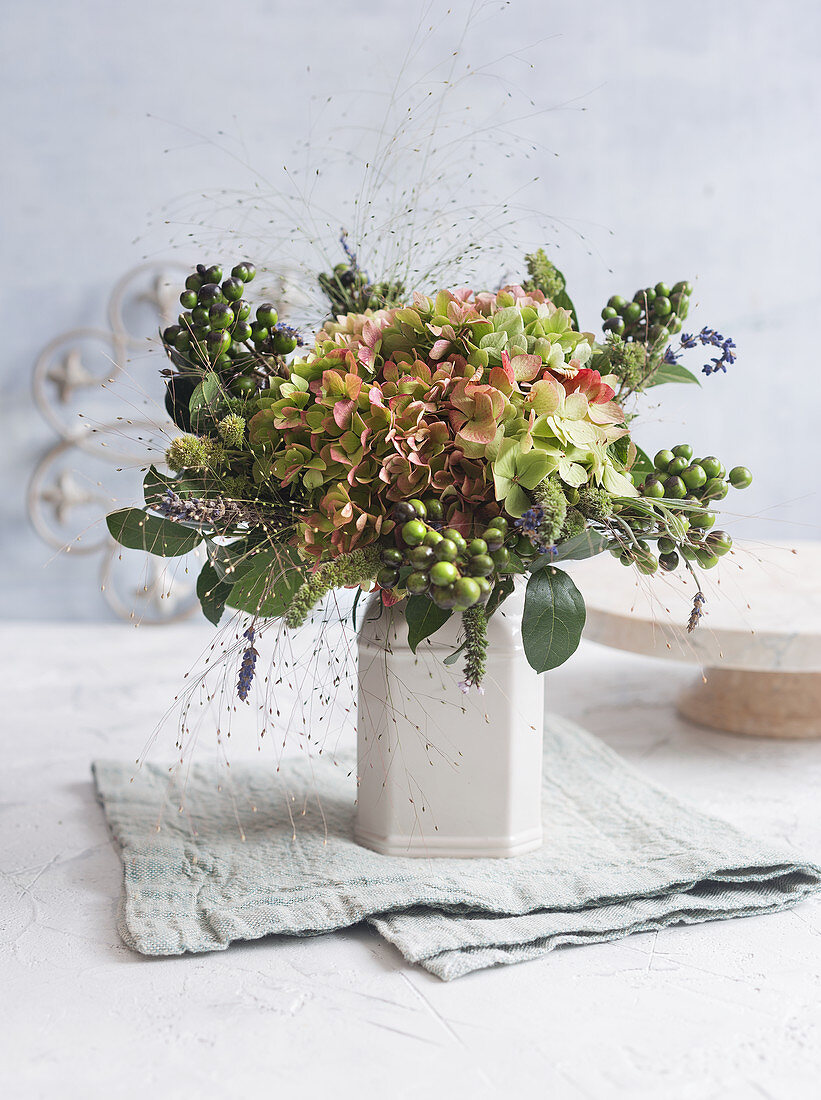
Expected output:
(758, 643)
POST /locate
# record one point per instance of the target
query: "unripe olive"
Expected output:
(413, 532)
(481, 566)
(663, 460)
(417, 583)
(467, 593)
(443, 573)
(446, 550)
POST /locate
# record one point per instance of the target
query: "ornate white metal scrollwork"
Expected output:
(100, 391)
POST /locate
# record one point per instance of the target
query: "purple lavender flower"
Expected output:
(708, 337)
(530, 525)
(248, 666)
(530, 522)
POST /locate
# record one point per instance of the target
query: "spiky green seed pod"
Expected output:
(594, 503)
(188, 452)
(232, 430)
(239, 488)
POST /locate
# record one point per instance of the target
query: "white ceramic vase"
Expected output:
(440, 772)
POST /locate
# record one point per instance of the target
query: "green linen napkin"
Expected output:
(620, 855)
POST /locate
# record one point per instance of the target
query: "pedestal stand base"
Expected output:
(761, 704)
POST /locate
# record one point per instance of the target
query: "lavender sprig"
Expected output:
(708, 337)
(695, 615)
(212, 512)
(530, 524)
(248, 666)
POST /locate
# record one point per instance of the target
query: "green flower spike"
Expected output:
(358, 567)
(474, 620)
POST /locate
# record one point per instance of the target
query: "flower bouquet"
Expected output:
(444, 451)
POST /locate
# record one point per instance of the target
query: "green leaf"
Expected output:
(206, 393)
(229, 559)
(267, 582)
(205, 402)
(212, 593)
(584, 545)
(134, 528)
(672, 372)
(424, 618)
(504, 587)
(185, 485)
(452, 658)
(553, 619)
(155, 485)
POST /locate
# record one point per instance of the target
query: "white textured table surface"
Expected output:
(729, 1010)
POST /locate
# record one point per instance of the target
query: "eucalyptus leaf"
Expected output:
(206, 393)
(212, 593)
(205, 402)
(423, 618)
(188, 484)
(137, 530)
(155, 485)
(553, 619)
(581, 546)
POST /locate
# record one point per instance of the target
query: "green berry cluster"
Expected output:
(453, 572)
(652, 316)
(215, 331)
(684, 488)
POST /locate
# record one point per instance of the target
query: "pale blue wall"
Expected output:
(688, 142)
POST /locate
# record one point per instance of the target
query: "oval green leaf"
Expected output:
(212, 593)
(268, 582)
(423, 618)
(134, 528)
(553, 619)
